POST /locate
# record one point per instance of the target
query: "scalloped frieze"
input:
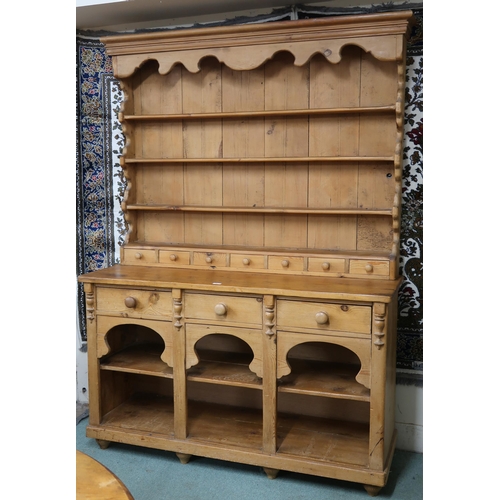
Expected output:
(384, 48)
(245, 47)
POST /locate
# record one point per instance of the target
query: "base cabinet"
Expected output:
(277, 381)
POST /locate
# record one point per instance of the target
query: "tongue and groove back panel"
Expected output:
(299, 152)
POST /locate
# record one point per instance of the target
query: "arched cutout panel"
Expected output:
(323, 352)
(117, 333)
(253, 339)
(361, 348)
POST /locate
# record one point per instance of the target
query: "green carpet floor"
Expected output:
(158, 475)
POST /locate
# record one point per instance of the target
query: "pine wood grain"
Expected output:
(95, 481)
(253, 317)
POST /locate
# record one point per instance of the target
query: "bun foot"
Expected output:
(373, 491)
(102, 443)
(271, 473)
(183, 457)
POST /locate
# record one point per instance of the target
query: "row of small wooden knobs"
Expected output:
(246, 262)
(221, 310)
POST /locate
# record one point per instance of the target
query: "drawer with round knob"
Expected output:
(293, 314)
(139, 257)
(369, 267)
(174, 258)
(325, 265)
(247, 261)
(223, 308)
(285, 263)
(135, 303)
(210, 259)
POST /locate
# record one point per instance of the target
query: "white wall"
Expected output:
(409, 418)
(82, 394)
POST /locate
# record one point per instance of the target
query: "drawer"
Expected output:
(316, 264)
(139, 257)
(209, 259)
(134, 303)
(242, 261)
(174, 258)
(223, 308)
(286, 263)
(323, 316)
(369, 267)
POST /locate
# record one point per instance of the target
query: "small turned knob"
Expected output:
(220, 309)
(321, 318)
(173, 257)
(368, 268)
(325, 266)
(138, 255)
(246, 262)
(285, 263)
(130, 302)
(208, 260)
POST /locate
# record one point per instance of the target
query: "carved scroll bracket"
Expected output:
(89, 302)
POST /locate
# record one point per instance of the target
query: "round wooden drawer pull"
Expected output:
(220, 309)
(325, 266)
(173, 257)
(208, 260)
(285, 263)
(130, 302)
(246, 262)
(322, 318)
(138, 255)
(369, 268)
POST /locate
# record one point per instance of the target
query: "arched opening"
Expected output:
(133, 337)
(322, 382)
(223, 392)
(224, 348)
(135, 383)
(312, 353)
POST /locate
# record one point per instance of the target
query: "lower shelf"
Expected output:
(143, 412)
(323, 439)
(225, 426)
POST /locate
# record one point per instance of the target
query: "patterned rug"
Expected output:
(100, 182)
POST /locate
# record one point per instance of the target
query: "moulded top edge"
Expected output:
(243, 282)
(390, 23)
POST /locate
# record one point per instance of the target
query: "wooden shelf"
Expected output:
(323, 439)
(221, 373)
(143, 412)
(258, 114)
(241, 428)
(260, 159)
(324, 379)
(259, 210)
(142, 359)
(225, 425)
